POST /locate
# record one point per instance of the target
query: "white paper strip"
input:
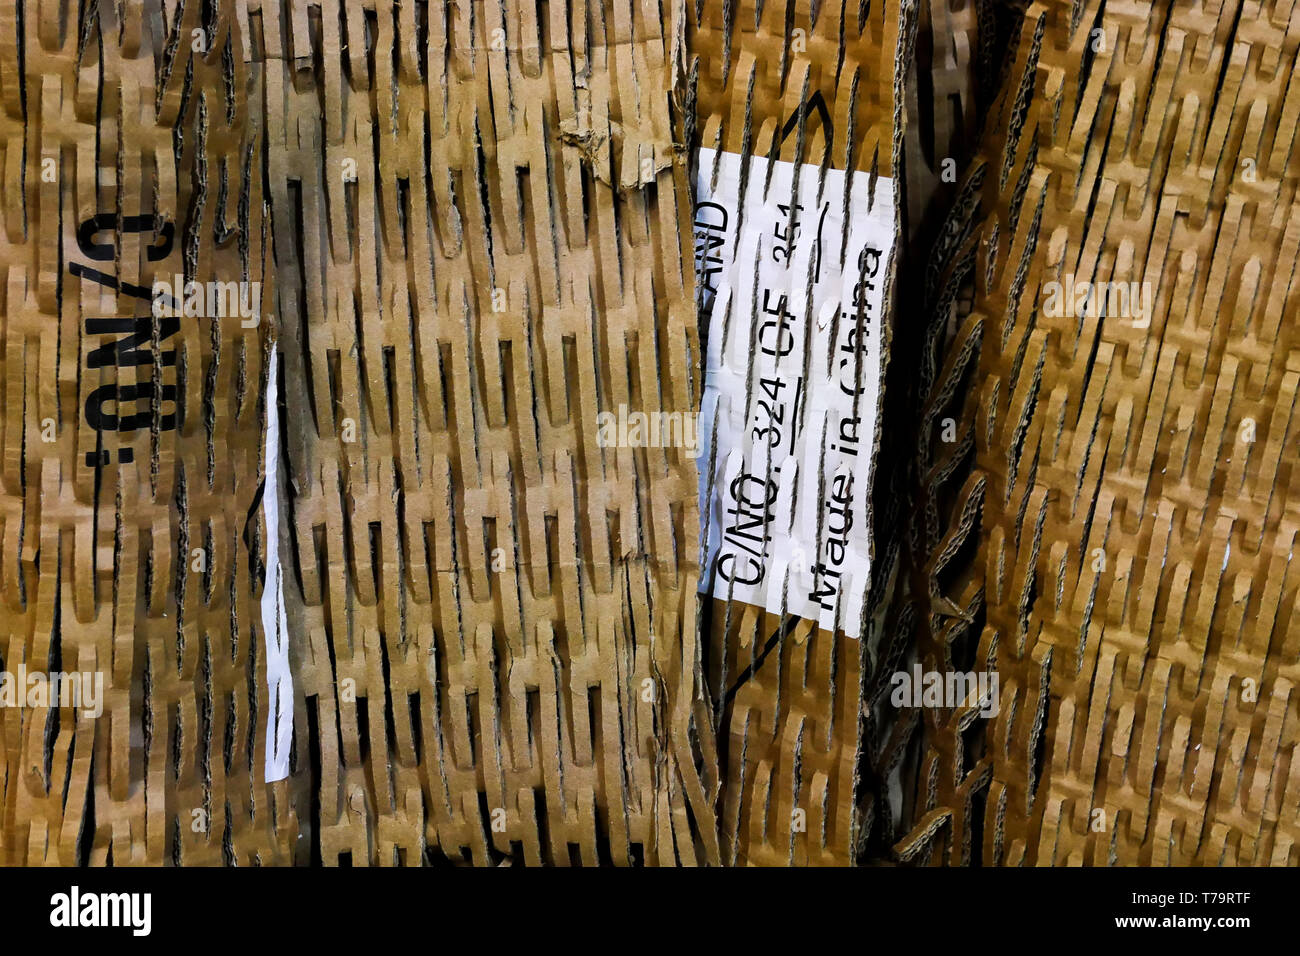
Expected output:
(791, 383)
(279, 681)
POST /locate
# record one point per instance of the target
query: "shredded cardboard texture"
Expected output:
(941, 104)
(788, 693)
(461, 232)
(480, 217)
(1113, 527)
(132, 460)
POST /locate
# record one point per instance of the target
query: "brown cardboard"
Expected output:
(774, 82)
(1112, 530)
(130, 153)
(480, 249)
(469, 224)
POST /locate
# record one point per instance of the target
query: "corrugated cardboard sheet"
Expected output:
(1113, 526)
(480, 228)
(789, 693)
(129, 153)
(469, 229)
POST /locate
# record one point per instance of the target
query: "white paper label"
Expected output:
(792, 378)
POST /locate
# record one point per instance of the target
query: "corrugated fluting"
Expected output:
(1111, 523)
(442, 257)
(132, 556)
(788, 693)
(480, 217)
